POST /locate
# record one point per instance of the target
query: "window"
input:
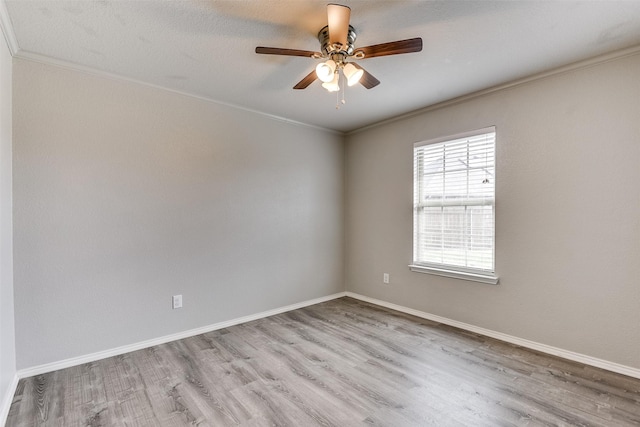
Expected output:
(454, 206)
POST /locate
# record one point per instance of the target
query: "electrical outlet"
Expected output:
(385, 278)
(177, 301)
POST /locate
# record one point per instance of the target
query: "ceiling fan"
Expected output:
(337, 48)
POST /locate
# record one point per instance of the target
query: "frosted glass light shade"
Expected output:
(326, 70)
(352, 74)
(332, 86)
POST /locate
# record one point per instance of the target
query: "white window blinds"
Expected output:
(453, 202)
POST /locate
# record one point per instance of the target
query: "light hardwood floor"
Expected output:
(339, 363)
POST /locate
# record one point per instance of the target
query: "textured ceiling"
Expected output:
(206, 48)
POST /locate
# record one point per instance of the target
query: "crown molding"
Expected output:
(16, 52)
(71, 66)
(579, 65)
(7, 29)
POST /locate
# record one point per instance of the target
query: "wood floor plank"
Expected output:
(339, 363)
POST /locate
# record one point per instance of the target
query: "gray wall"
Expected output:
(125, 195)
(568, 212)
(7, 341)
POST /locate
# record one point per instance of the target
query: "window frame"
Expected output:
(446, 270)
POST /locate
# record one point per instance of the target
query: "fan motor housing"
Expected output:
(328, 49)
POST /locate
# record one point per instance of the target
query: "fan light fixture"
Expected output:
(337, 47)
(332, 85)
(326, 70)
(329, 73)
(352, 73)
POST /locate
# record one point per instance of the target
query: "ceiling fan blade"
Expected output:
(338, 17)
(286, 52)
(304, 83)
(367, 80)
(392, 48)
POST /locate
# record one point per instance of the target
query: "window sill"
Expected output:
(475, 277)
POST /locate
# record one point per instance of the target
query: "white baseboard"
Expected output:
(7, 399)
(566, 354)
(555, 351)
(67, 363)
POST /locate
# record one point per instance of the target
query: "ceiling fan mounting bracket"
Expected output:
(329, 49)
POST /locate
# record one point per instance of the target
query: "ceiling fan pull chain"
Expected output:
(340, 89)
(344, 89)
